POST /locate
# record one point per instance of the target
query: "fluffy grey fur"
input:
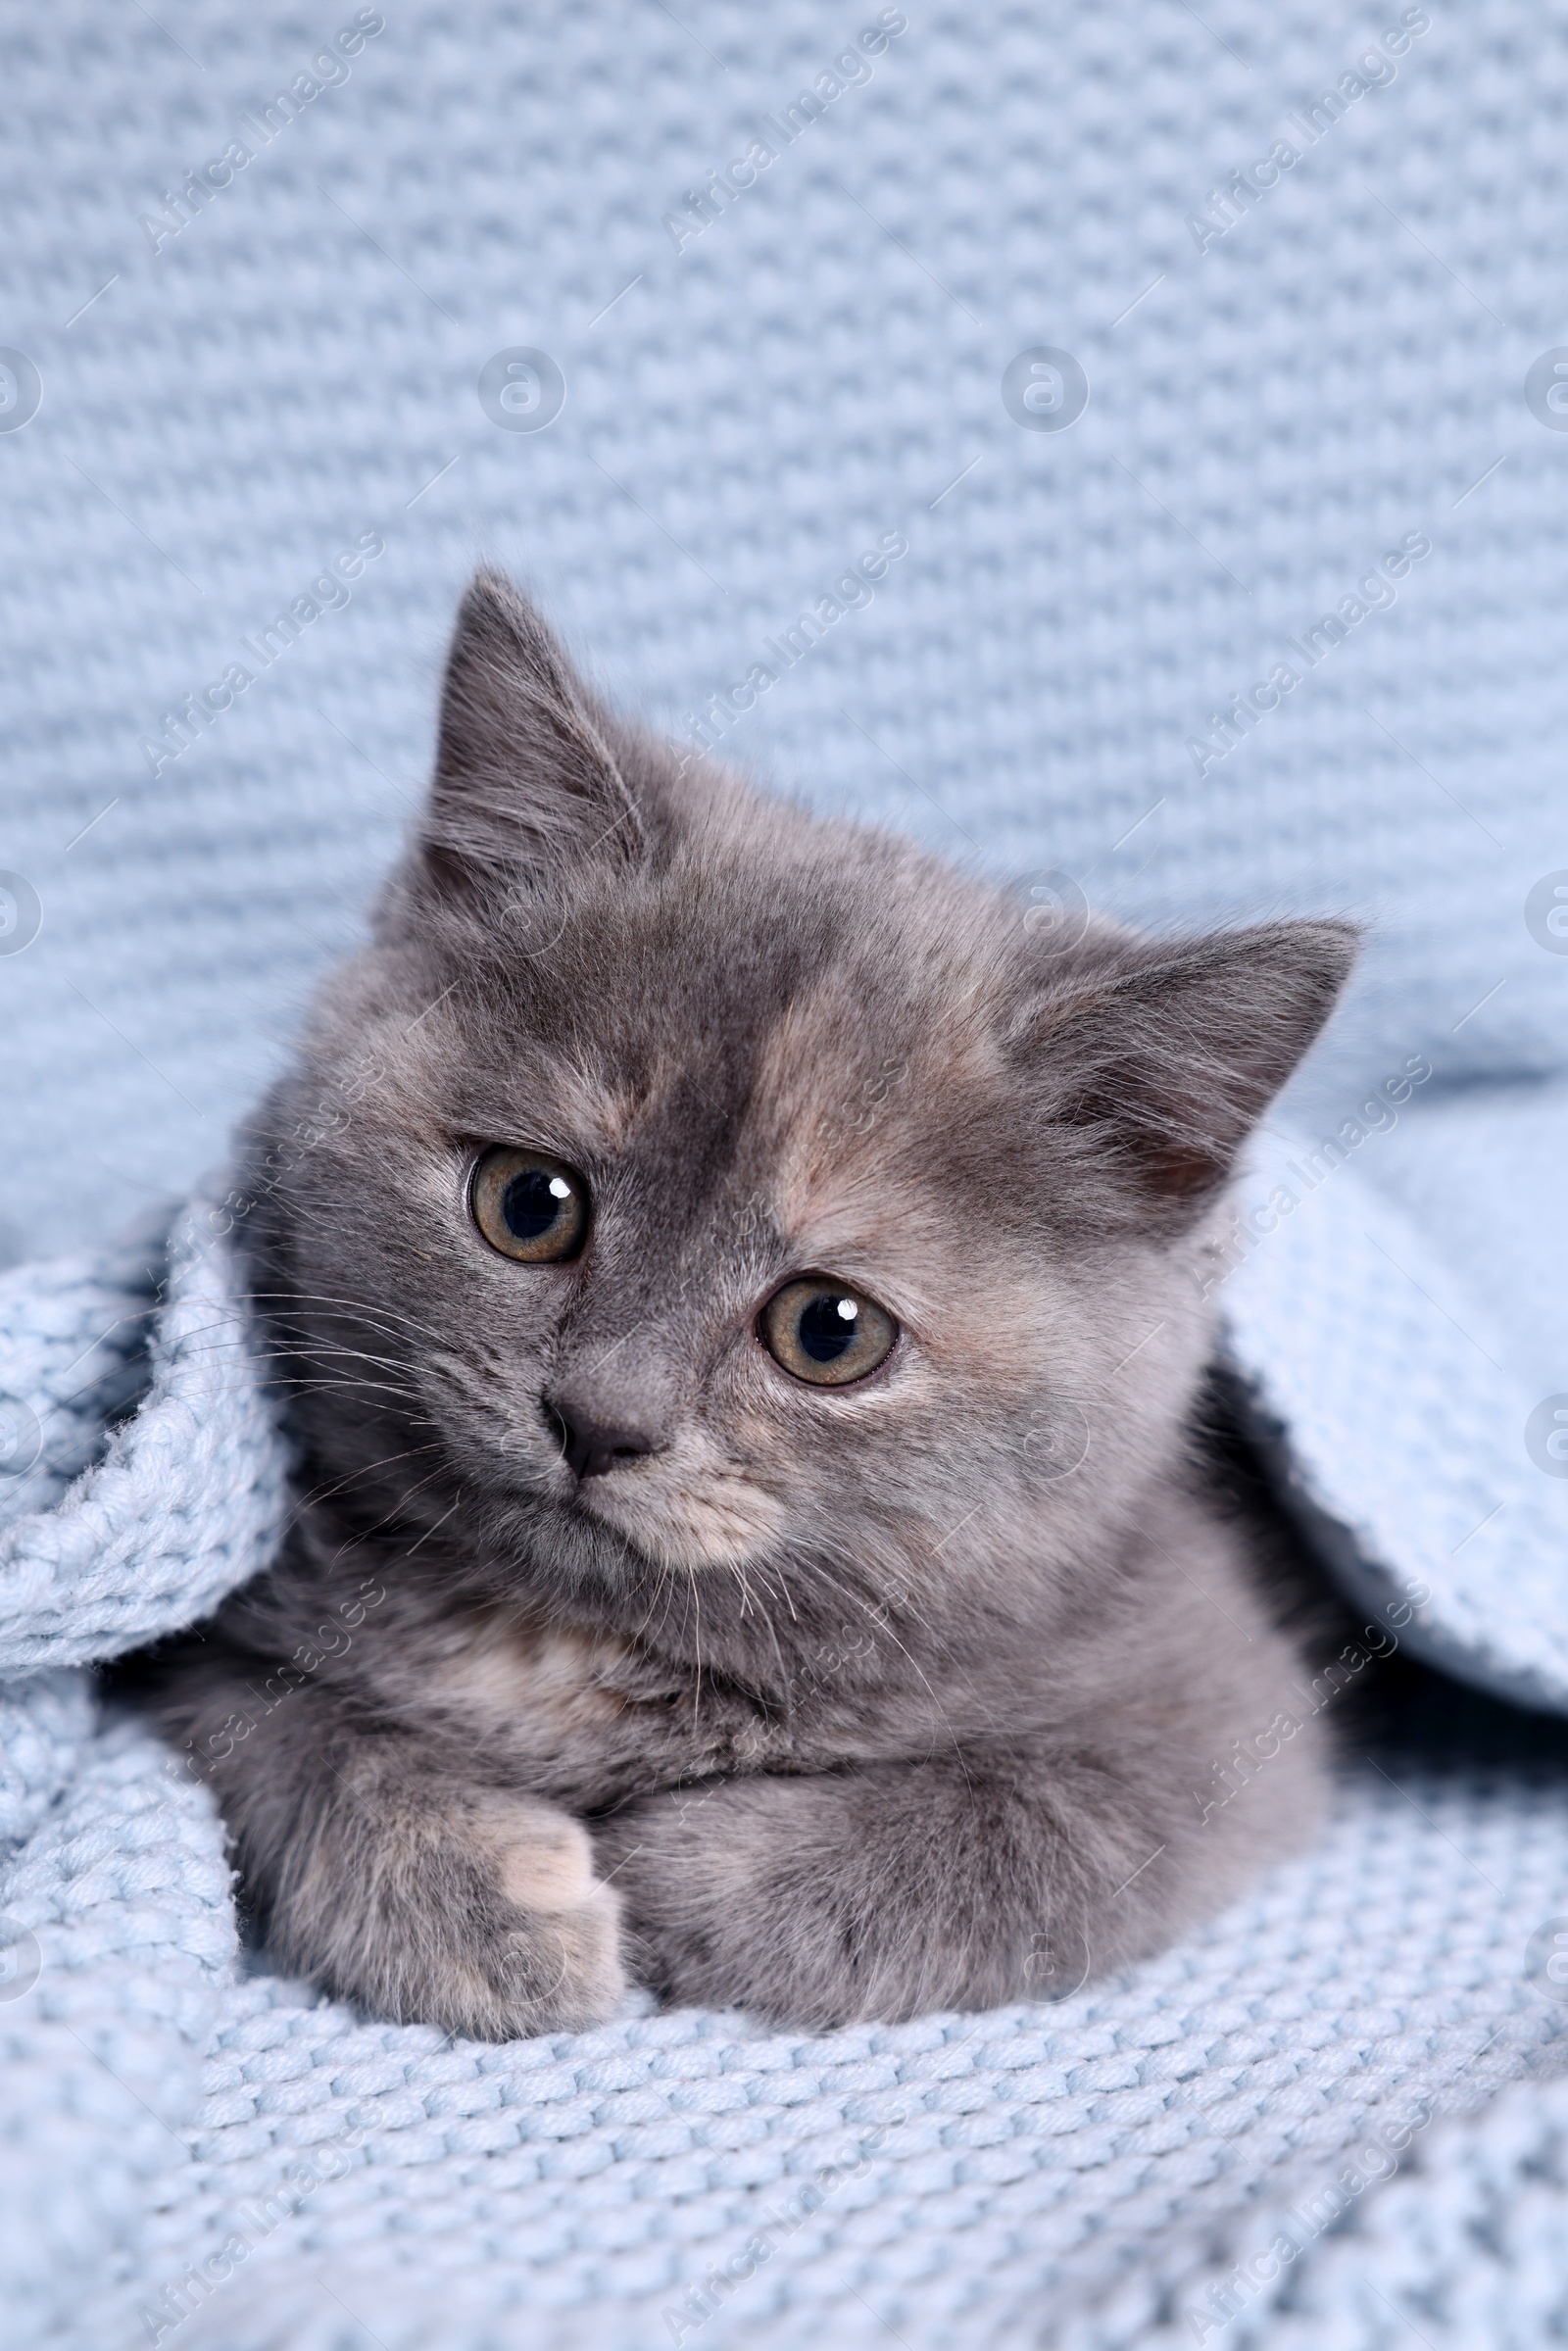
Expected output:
(832, 1702)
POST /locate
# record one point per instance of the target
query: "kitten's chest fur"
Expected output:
(594, 1705)
(590, 1717)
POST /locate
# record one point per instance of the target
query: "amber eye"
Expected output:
(821, 1332)
(529, 1206)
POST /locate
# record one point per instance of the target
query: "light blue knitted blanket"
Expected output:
(271, 284)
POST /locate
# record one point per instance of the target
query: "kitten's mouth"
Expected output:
(684, 1504)
(680, 1514)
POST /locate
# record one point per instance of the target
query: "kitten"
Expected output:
(736, 1292)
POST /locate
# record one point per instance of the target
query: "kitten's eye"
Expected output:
(529, 1206)
(823, 1332)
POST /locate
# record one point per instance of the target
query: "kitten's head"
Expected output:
(685, 1196)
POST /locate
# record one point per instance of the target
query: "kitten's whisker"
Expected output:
(356, 1305)
(664, 1577)
(325, 1494)
(288, 1344)
(785, 1683)
(349, 1383)
(405, 1496)
(765, 1579)
(345, 1386)
(789, 1596)
(329, 1349)
(697, 1648)
(941, 1710)
(895, 1563)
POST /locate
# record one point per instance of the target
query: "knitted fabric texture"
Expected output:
(241, 381)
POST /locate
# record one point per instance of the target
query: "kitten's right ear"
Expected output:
(525, 785)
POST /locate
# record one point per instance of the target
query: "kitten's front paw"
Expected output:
(480, 1914)
(545, 1955)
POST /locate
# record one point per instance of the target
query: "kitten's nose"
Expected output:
(593, 1448)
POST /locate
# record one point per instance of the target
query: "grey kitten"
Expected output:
(737, 1292)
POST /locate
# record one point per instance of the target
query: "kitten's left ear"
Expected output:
(1161, 1060)
(525, 783)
